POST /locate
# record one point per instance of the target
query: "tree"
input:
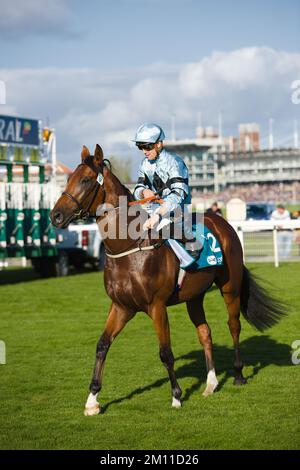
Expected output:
(122, 168)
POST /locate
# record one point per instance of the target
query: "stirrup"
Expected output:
(194, 248)
(194, 254)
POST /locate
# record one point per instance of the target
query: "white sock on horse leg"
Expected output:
(212, 378)
(92, 400)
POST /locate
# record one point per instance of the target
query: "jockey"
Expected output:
(166, 174)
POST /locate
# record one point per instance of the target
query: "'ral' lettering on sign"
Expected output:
(20, 131)
(11, 132)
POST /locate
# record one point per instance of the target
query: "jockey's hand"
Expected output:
(148, 193)
(151, 222)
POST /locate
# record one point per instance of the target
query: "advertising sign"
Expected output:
(21, 131)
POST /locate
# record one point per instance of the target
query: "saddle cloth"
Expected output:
(211, 253)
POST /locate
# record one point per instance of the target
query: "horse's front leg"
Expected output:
(158, 313)
(117, 319)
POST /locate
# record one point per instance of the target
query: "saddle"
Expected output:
(187, 249)
(206, 253)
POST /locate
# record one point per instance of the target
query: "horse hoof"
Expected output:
(92, 410)
(210, 388)
(239, 381)
(176, 403)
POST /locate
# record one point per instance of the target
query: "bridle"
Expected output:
(83, 213)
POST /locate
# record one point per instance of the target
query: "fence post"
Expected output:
(275, 241)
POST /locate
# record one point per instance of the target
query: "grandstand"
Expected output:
(225, 167)
(287, 193)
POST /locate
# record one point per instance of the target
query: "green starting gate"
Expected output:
(25, 226)
(3, 219)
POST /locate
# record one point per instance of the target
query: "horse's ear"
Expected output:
(98, 155)
(84, 152)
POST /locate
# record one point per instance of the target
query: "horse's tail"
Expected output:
(257, 306)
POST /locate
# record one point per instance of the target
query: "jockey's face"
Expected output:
(153, 154)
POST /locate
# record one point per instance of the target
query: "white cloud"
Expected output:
(28, 17)
(91, 105)
(237, 70)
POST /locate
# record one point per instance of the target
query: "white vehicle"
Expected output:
(79, 244)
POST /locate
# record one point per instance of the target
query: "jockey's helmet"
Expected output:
(149, 133)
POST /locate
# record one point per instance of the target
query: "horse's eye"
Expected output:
(85, 180)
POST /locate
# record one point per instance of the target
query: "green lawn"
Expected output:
(51, 327)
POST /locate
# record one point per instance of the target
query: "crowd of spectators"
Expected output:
(284, 193)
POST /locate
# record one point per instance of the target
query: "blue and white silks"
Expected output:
(168, 171)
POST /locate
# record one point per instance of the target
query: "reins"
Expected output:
(146, 199)
(84, 213)
(139, 248)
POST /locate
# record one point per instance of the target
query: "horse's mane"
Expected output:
(89, 160)
(122, 186)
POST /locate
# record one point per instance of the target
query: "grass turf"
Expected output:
(51, 327)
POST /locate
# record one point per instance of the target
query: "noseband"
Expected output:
(82, 212)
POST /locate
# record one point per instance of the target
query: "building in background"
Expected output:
(249, 138)
(217, 163)
(201, 157)
(261, 167)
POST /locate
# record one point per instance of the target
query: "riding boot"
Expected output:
(188, 239)
(194, 248)
(192, 245)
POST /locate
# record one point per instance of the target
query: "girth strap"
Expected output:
(135, 250)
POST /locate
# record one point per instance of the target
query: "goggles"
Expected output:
(145, 146)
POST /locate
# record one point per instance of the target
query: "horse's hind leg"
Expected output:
(233, 304)
(230, 290)
(197, 315)
(158, 313)
(117, 319)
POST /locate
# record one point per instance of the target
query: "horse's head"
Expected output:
(84, 190)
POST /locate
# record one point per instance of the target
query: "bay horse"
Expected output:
(145, 280)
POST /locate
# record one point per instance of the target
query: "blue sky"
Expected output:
(122, 33)
(97, 69)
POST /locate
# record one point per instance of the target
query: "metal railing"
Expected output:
(269, 240)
